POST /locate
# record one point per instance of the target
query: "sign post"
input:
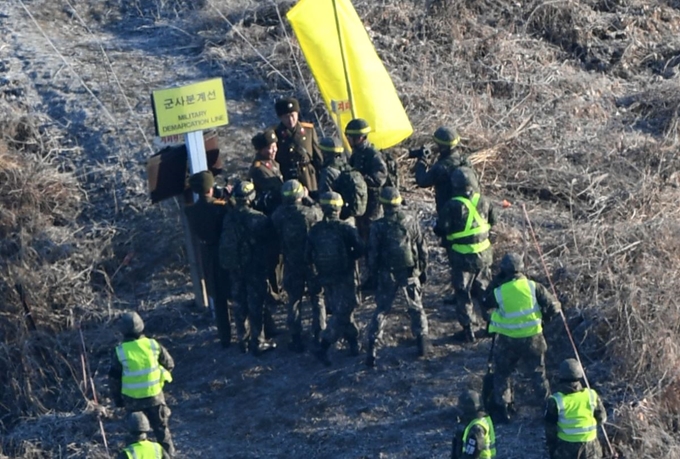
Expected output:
(189, 110)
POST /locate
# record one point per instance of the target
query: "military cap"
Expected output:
(331, 200)
(464, 180)
(292, 190)
(331, 145)
(138, 422)
(286, 105)
(201, 182)
(357, 127)
(446, 137)
(512, 263)
(264, 139)
(470, 402)
(570, 370)
(131, 324)
(244, 190)
(389, 196)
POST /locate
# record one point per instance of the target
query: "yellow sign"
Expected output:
(190, 108)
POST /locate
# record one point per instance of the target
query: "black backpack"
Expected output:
(354, 191)
(235, 242)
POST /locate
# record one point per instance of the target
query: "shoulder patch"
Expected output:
(257, 163)
(307, 125)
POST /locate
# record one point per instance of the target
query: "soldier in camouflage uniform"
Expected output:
(299, 154)
(292, 221)
(205, 218)
(439, 175)
(475, 436)
(139, 447)
(370, 162)
(572, 416)
(140, 366)
(334, 162)
(397, 257)
(246, 248)
(333, 247)
(464, 224)
(522, 305)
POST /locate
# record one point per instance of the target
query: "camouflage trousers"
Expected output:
(294, 281)
(508, 354)
(388, 285)
(340, 296)
(468, 286)
(249, 291)
(158, 416)
(566, 450)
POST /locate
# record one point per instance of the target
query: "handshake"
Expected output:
(422, 152)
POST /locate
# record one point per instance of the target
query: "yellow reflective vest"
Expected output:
(576, 421)
(518, 314)
(475, 225)
(489, 450)
(143, 376)
(144, 449)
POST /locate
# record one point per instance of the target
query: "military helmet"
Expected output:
(570, 370)
(131, 324)
(357, 127)
(389, 196)
(512, 263)
(245, 190)
(331, 145)
(464, 181)
(292, 190)
(470, 402)
(138, 422)
(446, 137)
(331, 201)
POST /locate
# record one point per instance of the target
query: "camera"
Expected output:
(220, 192)
(422, 152)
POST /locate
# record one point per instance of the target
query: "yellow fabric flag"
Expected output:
(348, 71)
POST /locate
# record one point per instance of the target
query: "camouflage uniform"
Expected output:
(292, 222)
(560, 449)
(370, 162)
(252, 232)
(154, 407)
(299, 154)
(470, 405)
(205, 219)
(330, 172)
(398, 254)
(439, 176)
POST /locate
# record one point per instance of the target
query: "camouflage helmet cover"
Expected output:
(331, 201)
(446, 137)
(389, 196)
(357, 127)
(245, 190)
(292, 190)
(512, 263)
(138, 422)
(331, 145)
(131, 324)
(570, 370)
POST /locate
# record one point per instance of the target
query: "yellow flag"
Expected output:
(348, 71)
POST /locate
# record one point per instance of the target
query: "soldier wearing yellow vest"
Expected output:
(140, 447)
(572, 416)
(475, 437)
(522, 306)
(464, 224)
(140, 366)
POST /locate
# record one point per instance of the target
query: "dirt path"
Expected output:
(226, 404)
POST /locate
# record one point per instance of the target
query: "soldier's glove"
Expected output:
(422, 277)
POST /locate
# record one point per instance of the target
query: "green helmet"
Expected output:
(470, 402)
(389, 196)
(570, 370)
(331, 145)
(446, 137)
(464, 181)
(512, 263)
(357, 127)
(138, 422)
(131, 324)
(244, 191)
(292, 190)
(331, 201)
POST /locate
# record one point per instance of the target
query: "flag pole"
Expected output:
(344, 60)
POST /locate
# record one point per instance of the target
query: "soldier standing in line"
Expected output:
(475, 437)
(140, 366)
(299, 153)
(572, 416)
(464, 226)
(333, 247)
(205, 218)
(370, 162)
(246, 246)
(397, 257)
(292, 221)
(139, 446)
(522, 306)
(439, 175)
(265, 172)
(334, 162)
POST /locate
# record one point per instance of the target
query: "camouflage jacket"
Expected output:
(439, 176)
(380, 233)
(370, 162)
(343, 243)
(253, 232)
(292, 223)
(549, 305)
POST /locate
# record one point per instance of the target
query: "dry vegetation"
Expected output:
(574, 106)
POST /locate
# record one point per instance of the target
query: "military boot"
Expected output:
(423, 345)
(296, 344)
(321, 353)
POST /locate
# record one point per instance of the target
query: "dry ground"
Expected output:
(573, 107)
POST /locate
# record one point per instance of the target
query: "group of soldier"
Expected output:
(316, 217)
